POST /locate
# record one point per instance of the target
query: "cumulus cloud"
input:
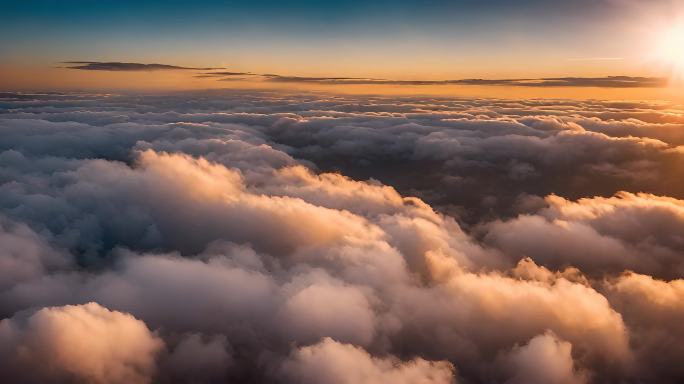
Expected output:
(269, 237)
(198, 359)
(316, 311)
(652, 308)
(638, 232)
(333, 362)
(84, 343)
(24, 254)
(544, 360)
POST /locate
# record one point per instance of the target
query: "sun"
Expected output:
(670, 53)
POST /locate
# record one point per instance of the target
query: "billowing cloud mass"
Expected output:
(270, 237)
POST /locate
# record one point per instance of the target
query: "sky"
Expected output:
(397, 40)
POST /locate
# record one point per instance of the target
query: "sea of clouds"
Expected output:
(256, 237)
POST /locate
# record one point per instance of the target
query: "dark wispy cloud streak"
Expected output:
(597, 82)
(601, 82)
(120, 66)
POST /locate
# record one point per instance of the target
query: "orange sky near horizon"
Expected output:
(61, 79)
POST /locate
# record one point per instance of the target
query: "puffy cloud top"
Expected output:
(86, 343)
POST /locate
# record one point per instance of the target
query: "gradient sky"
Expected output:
(402, 39)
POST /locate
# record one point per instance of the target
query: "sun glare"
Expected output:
(671, 53)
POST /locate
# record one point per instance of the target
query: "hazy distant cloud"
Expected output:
(325, 80)
(226, 73)
(605, 82)
(596, 58)
(601, 82)
(119, 66)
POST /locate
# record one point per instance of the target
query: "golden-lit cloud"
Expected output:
(86, 343)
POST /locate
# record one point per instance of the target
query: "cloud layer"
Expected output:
(269, 237)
